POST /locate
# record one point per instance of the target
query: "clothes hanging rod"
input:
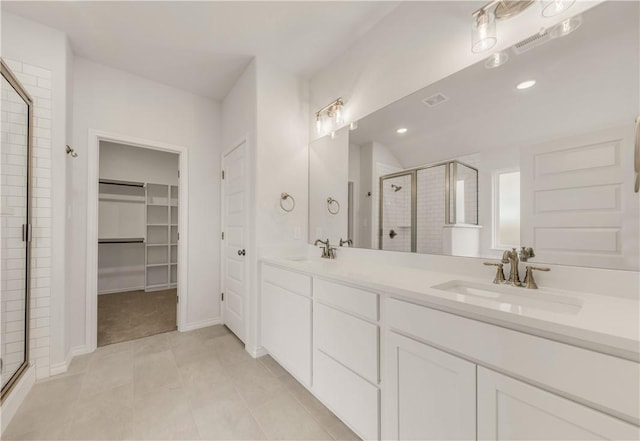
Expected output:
(124, 183)
(123, 240)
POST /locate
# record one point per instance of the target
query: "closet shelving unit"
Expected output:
(121, 234)
(161, 256)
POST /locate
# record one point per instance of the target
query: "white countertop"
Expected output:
(601, 323)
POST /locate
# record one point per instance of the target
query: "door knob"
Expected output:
(241, 252)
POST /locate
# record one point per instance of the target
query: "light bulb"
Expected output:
(555, 7)
(483, 32)
(402, 130)
(338, 116)
(318, 123)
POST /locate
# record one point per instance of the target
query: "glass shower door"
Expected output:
(15, 130)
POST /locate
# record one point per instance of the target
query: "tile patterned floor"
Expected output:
(199, 385)
(130, 315)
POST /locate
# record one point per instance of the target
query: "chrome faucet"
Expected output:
(511, 257)
(327, 251)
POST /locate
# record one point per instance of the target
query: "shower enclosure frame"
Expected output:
(6, 72)
(448, 192)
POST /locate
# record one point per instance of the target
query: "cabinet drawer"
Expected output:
(290, 280)
(605, 382)
(350, 397)
(352, 341)
(350, 299)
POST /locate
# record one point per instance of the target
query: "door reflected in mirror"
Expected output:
(490, 165)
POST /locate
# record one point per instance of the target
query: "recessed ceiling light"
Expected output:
(526, 84)
(402, 130)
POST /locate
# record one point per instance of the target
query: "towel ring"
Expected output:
(330, 202)
(284, 197)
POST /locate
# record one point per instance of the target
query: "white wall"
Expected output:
(113, 101)
(125, 163)
(417, 44)
(46, 53)
(269, 107)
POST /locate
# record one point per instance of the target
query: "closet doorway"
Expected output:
(138, 203)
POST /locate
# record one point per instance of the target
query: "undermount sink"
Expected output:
(509, 298)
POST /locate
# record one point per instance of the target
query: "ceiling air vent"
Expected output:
(531, 43)
(434, 100)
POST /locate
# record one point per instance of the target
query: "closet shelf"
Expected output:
(122, 240)
(121, 183)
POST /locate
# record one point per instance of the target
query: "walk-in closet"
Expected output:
(137, 245)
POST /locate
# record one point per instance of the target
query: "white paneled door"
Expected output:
(234, 227)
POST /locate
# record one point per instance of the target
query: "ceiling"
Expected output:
(586, 81)
(203, 47)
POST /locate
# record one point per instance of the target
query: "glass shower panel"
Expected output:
(431, 208)
(396, 232)
(14, 215)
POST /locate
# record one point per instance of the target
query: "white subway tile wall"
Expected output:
(396, 213)
(380, 169)
(37, 82)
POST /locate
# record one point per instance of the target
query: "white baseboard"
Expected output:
(257, 351)
(115, 291)
(63, 366)
(201, 324)
(11, 404)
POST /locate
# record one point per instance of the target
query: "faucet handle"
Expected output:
(529, 281)
(526, 253)
(499, 272)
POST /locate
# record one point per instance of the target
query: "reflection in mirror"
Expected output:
(549, 166)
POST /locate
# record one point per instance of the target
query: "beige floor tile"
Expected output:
(105, 416)
(47, 422)
(204, 369)
(213, 331)
(230, 350)
(64, 389)
(327, 419)
(255, 383)
(163, 414)
(221, 414)
(148, 345)
(284, 418)
(273, 366)
(125, 346)
(108, 371)
(153, 371)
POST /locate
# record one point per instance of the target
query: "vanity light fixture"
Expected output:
(526, 84)
(496, 60)
(483, 28)
(330, 117)
(483, 31)
(402, 130)
(551, 8)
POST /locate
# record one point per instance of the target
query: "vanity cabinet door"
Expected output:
(430, 394)
(286, 329)
(509, 409)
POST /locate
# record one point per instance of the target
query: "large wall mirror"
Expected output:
(536, 152)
